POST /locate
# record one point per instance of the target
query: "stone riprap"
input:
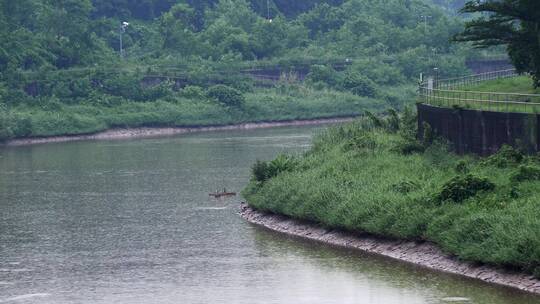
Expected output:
(423, 254)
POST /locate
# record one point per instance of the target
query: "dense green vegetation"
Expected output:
(514, 24)
(61, 73)
(373, 176)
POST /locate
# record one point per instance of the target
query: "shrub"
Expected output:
(192, 92)
(359, 84)
(263, 171)
(409, 146)
(461, 167)
(428, 136)
(392, 122)
(259, 170)
(526, 173)
(324, 74)
(462, 187)
(226, 95)
(505, 157)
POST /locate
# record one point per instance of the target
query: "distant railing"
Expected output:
(452, 93)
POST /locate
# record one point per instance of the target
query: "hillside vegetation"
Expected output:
(61, 73)
(373, 176)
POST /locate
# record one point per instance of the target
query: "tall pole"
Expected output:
(268, 9)
(123, 27)
(121, 46)
(425, 22)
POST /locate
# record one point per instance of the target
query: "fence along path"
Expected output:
(452, 93)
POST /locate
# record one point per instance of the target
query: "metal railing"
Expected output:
(452, 92)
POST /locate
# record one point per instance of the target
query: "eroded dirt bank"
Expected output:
(423, 254)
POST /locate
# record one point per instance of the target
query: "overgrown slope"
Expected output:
(368, 177)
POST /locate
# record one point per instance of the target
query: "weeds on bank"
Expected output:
(374, 176)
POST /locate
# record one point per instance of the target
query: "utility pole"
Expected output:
(425, 21)
(123, 27)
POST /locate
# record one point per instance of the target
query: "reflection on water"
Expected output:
(131, 222)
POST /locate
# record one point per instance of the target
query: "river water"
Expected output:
(131, 222)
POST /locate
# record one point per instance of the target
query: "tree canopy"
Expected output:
(513, 23)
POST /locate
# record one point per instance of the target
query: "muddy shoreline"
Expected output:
(425, 254)
(156, 132)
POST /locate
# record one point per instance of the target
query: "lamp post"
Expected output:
(123, 27)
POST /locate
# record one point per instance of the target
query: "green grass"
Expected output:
(358, 178)
(53, 118)
(520, 85)
(493, 95)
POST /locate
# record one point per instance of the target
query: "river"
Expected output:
(130, 221)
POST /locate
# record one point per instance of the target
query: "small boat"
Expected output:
(223, 193)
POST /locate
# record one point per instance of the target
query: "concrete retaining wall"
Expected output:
(481, 132)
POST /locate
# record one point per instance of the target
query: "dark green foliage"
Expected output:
(259, 170)
(428, 135)
(506, 156)
(325, 74)
(462, 167)
(526, 173)
(392, 121)
(514, 24)
(359, 84)
(228, 96)
(263, 171)
(462, 187)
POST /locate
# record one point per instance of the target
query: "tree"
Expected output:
(177, 26)
(513, 23)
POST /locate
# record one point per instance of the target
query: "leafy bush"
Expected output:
(392, 121)
(259, 170)
(359, 84)
(526, 173)
(226, 95)
(461, 187)
(193, 92)
(505, 157)
(325, 74)
(461, 167)
(428, 135)
(263, 171)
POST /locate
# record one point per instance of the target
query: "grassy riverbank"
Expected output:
(182, 109)
(369, 176)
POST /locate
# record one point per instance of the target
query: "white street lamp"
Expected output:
(123, 27)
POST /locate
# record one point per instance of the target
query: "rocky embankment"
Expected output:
(422, 254)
